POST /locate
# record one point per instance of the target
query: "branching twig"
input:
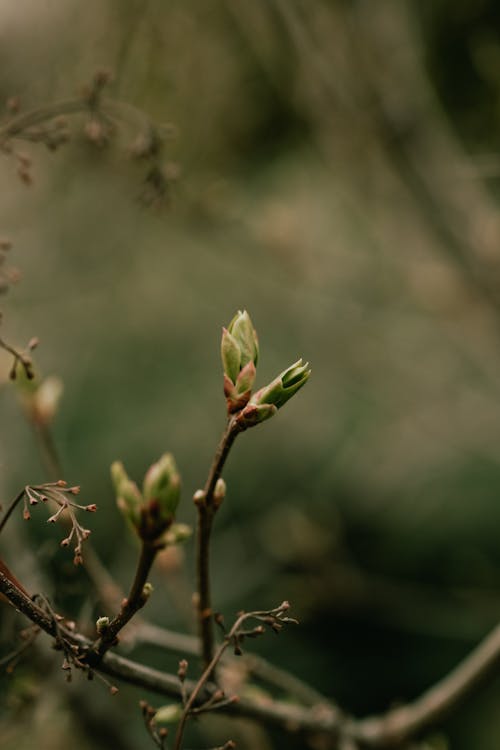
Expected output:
(47, 125)
(60, 494)
(235, 636)
(20, 359)
(137, 598)
(377, 732)
(207, 508)
(29, 636)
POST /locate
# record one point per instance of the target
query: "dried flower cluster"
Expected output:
(61, 495)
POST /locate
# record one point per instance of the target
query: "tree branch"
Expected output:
(404, 722)
(136, 599)
(16, 126)
(207, 508)
(388, 730)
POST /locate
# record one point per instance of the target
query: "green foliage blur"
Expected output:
(338, 176)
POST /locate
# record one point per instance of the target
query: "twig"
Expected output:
(376, 732)
(399, 724)
(234, 637)
(10, 660)
(273, 713)
(15, 127)
(136, 599)
(19, 357)
(287, 683)
(207, 509)
(11, 509)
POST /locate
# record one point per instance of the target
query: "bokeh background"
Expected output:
(332, 167)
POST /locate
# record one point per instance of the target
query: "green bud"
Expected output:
(219, 491)
(101, 624)
(231, 355)
(128, 497)
(284, 386)
(162, 485)
(168, 714)
(146, 592)
(242, 330)
(239, 352)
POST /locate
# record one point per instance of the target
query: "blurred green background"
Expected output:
(339, 175)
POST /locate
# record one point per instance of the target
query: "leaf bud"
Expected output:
(162, 484)
(219, 492)
(239, 352)
(284, 386)
(101, 624)
(128, 497)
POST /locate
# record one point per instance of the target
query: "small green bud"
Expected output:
(219, 492)
(239, 352)
(242, 329)
(231, 355)
(199, 497)
(101, 624)
(128, 497)
(146, 592)
(168, 714)
(162, 484)
(151, 513)
(284, 386)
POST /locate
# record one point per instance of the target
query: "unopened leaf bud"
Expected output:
(128, 497)
(147, 590)
(101, 624)
(162, 485)
(283, 387)
(45, 400)
(169, 714)
(231, 355)
(240, 353)
(219, 492)
(241, 328)
(199, 497)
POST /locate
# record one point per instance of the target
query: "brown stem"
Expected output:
(11, 509)
(207, 673)
(404, 722)
(390, 729)
(16, 125)
(207, 509)
(18, 357)
(195, 693)
(136, 599)
(272, 713)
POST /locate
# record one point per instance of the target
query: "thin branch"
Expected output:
(272, 713)
(375, 732)
(207, 509)
(287, 683)
(11, 509)
(232, 638)
(19, 358)
(399, 724)
(136, 599)
(22, 122)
